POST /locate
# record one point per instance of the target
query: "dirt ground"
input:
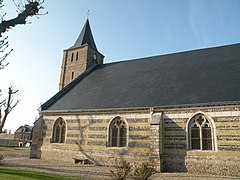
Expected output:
(19, 158)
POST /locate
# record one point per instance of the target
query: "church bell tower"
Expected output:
(78, 58)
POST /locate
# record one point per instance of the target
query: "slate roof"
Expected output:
(195, 77)
(25, 129)
(85, 37)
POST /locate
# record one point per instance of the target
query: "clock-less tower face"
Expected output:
(76, 61)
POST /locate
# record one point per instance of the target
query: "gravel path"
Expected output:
(19, 158)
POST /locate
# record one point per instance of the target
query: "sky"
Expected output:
(122, 29)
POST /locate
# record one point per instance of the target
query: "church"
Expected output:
(180, 111)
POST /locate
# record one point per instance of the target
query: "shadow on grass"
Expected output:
(59, 169)
(9, 173)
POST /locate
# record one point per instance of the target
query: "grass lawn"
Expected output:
(17, 174)
(4, 148)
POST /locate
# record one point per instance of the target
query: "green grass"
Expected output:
(6, 148)
(17, 174)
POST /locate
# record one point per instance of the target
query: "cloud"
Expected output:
(193, 20)
(203, 20)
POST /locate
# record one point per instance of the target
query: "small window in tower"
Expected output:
(72, 76)
(77, 56)
(72, 57)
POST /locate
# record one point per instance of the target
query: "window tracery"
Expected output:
(200, 133)
(59, 130)
(117, 133)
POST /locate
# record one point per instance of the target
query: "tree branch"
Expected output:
(8, 107)
(31, 9)
(3, 47)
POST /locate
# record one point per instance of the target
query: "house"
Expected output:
(23, 135)
(179, 111)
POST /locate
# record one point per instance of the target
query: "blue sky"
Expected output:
(122, 29)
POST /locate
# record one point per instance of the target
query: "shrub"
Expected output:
(1, 157)
(143, 171)
(121, 172)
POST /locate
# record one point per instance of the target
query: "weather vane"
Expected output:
(88, 14)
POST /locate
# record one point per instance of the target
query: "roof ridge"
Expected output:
(172, 54)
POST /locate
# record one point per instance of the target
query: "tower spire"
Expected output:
(85, 37)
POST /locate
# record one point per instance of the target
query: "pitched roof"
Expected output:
(26, 128)
(201, 76)
(85, 37)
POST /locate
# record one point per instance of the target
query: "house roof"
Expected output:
(201, 76)
(26, 129)
(85, 37)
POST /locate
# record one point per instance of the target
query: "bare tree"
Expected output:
(3, 47)
(7, 105)
(25, 9)
(31, 8)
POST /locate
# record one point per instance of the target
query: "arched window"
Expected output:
(77, 56)
(200, 133)
(72, 75)
(117, 133)
(59, 130)
(72, 57)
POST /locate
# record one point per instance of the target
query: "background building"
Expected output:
(23, 135)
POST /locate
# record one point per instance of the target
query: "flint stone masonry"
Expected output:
(138, 145)
(138, 120)
(135, 137)
(97, 128)
(229, 147)
(228, 127)
(95, 143)
(97, 136)
(229, 137)
(174, 146)
(163, 144)
(173, 129)
(174, 137)
(138, 129)
(213, 165)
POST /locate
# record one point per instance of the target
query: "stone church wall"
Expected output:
(224, 160)
(166, 143)
(87, 136)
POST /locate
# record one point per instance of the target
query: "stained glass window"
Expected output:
(195, 137)
(117, 133)
(59, 130)
(206, 138)
(200, 133)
